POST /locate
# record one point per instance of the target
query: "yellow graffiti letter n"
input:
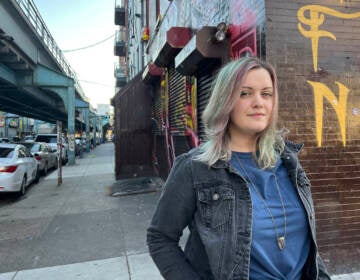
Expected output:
(339, 104)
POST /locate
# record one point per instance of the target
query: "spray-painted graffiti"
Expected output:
(190, 112)
(321, 91)
(169, 142)
(317, 18)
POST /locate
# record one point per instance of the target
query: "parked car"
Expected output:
(43, 153)
(78, 147)
(4, 140)
(51, 139)
(15, 139)
(18, 168)
(82, 143)
(29, 138)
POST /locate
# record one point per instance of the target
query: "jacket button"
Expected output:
(215, 196)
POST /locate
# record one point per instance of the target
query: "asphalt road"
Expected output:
(75, 222)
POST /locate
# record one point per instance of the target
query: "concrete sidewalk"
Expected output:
(81, 198)
(133, 267)
(76, 230)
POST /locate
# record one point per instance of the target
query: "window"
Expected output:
(21, 153)
(26, 152)
(6, 152)
(157, 9)
(46, 138)
(34, 148)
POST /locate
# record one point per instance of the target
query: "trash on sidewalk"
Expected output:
(135, 186)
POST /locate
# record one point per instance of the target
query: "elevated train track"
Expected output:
(36, 81)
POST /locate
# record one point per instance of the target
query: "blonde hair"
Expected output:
(216, 116)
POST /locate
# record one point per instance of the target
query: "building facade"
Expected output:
(176, 47)
(12, 125)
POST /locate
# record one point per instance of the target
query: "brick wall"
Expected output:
(331, 155)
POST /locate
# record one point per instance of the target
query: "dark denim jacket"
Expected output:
(215, 204)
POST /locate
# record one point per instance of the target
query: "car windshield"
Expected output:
(28, 145)
(34, 148)
(46, 138)
(6, 152)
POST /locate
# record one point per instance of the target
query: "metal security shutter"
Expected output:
(157, 112)
(177, 111)
(177, 102)
(204, 82)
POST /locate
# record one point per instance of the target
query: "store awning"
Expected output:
(176, 39)
(200, 48)
(151, 73)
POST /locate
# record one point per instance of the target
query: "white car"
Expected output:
(43, 153)
(29, 139)
(51, 139)
(18, 168)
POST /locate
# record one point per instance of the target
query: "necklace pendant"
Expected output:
(281, 242)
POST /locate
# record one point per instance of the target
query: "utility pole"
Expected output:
(59, 148)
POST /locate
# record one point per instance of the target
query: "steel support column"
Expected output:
(67, 94)
(71, 123)
(85, 107)
(87, 125)
(64, 86)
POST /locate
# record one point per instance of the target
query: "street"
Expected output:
(76, 230)
(158, 81)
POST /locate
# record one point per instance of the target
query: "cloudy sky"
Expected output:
(81, 23)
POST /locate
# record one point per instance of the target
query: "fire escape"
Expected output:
(120, 71)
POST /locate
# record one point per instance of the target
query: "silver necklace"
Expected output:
(280, 240)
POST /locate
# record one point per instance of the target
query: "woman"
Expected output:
(243, 194)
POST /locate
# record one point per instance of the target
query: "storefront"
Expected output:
(133, 136)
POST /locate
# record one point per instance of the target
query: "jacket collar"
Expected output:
(290, 148)
(293, 147)
(221, 164)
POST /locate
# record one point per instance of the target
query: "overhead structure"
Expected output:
(36, 81)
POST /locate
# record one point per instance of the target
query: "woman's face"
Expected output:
(254, 104)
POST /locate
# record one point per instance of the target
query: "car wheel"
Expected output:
(37, 176)
(65, 160)
(45, 171)
(22, 187)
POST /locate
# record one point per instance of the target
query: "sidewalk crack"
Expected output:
(128, 266)
(13, 278)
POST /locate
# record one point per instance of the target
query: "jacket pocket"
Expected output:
(216, 205)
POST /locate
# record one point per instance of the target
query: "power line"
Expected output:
(90, 46)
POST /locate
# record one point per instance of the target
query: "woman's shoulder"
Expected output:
(182, 165)
(293, 147)
(188, 156)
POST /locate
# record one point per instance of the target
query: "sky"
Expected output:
(80, 23)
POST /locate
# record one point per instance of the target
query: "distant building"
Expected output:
(106, 110)
(12, 125)
(103, 109)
